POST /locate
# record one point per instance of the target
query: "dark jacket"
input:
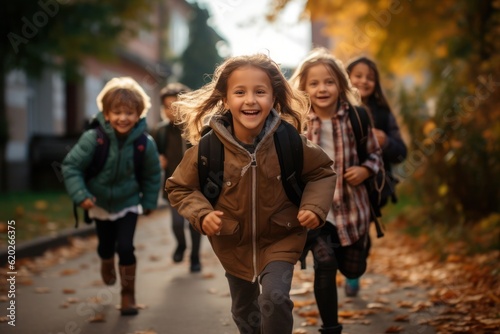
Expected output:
(394, 150)
(168, 138)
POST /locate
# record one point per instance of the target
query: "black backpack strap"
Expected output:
(140, 144)
(210, 166)
(96, 165)
(290, 155)
(100, 154)
(360, 120)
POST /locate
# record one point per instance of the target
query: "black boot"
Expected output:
(331, 330)
(178, 229)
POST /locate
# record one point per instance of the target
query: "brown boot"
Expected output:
(127, 274)
(108, 272)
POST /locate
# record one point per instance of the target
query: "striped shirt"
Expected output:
(350, 208)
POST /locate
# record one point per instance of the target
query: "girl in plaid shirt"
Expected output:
(343, 241)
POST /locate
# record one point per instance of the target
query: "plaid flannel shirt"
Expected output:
(351, 207)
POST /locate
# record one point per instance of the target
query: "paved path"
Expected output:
(62, 298)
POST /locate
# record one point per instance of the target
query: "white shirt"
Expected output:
(99, 213)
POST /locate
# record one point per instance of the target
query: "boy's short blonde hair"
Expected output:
(123, 91)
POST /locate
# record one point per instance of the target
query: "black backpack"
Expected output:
(290, 155)
(99, 159)
(379, 185)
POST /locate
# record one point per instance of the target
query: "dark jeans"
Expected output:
(328, 257)
(117, 236)
(178, 226)
(266, 312)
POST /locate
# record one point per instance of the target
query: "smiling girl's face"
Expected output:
(322, 88)
(250, 100)
(363, 78)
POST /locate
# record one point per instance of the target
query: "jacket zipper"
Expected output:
(117, 167)
(254, 218)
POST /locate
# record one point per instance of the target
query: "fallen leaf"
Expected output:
(394, 329)
(69, 291)
(402, 318)
(68, 272)
(42, 290)
(154, 258)
(375, 305)
(98, 318)
(308, 314)
(207, 275)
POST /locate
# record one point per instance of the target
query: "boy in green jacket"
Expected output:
(115, 197)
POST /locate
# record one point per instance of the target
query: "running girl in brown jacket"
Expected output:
(256, 232)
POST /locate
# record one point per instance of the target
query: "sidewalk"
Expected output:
(68, 297)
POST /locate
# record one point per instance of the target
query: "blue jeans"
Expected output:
(266, 312)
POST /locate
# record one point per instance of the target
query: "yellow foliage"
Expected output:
(443, 190)
(428, 127)
(41, 205)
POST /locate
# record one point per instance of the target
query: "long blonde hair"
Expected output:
(194, 109)
(322, 56)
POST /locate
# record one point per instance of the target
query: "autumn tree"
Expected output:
(37, 35)
(201, 55)
(442, 59)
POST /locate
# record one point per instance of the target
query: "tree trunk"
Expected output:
(4, 128)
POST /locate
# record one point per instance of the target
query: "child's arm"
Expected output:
(393, 149)
(184, 193)
(308, 219)
(320, 179)
(75, 163)
(87, 203)
(355, 175)
(211, 224)
(151, 177)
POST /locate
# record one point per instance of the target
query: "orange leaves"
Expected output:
(463, 285)
(394, 329)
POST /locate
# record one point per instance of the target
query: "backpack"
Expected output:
(99, 159)
(380, 185)
(290, 155)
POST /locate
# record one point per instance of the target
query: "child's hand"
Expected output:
(163, 161)
(308, 219)
(87, 203)
(381, 136)
(355, 175)
(211, 223)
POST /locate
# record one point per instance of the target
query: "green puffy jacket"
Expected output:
(115, 187)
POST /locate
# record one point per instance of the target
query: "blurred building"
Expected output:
(47, 115)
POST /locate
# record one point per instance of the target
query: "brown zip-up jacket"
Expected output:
(260, 223)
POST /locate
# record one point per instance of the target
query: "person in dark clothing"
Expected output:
(364, 75)
(171, 148)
